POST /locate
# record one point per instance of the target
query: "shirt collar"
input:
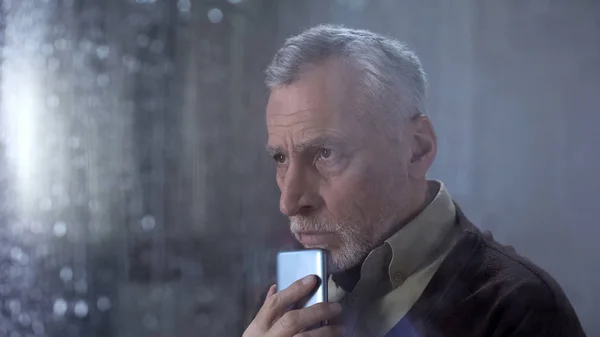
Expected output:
(418, 241)
(409, 248)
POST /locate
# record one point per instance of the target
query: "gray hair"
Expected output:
(392, 75)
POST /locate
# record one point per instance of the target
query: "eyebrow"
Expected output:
(319, 141)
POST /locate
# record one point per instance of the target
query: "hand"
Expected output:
(274, 319)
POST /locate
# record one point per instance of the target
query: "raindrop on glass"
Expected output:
(66, 274)
(60, 229)
(102, 52)
(60, 307)
(45, 204)
(16, 253)
(24, 319)
(103, 303)
(80, 309)
(131, 64)
(184, 5)
(148, 223)
(14, 306)
(215, 15)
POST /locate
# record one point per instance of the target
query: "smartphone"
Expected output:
(294, 265)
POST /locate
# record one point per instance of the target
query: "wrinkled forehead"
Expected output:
(320, 99)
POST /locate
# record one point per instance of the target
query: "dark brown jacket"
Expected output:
(484, 289)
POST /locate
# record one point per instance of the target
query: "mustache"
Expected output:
(312, 224)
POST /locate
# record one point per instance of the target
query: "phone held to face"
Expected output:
(294, 265)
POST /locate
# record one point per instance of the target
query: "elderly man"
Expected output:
(348, 132)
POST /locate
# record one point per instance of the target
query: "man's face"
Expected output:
(343, 184)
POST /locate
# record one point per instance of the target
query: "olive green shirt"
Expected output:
(395, 274)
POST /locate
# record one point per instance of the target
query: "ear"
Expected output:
(424, 147)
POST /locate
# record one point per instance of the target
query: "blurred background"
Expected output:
(135, 195)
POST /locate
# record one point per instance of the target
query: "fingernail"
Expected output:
(308, 279)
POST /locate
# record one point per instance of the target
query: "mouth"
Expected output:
(316, 239)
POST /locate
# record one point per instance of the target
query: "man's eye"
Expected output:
(279, 158)
(325, 153)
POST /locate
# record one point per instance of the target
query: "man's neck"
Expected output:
(348, 278)
(424, 195)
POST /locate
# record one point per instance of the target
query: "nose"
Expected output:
(298, 192)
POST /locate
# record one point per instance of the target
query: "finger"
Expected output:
(278, 303)
(271, 292)
(298, 320)
(326, 331)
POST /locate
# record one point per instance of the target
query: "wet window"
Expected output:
(136, 198)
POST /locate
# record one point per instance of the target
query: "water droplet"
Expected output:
(45, 204)
(150, 321)
(103, 80)
(102, 52)
(215, 15)
(142, 40)
(60, 229)
(148, 223)
(14, 306)
(60, 307)
(66, 274)
(16, 253)
(103, 303)
(81, 309)
(14, 334)
(24, 319)
(184, 5)
(131, 63)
